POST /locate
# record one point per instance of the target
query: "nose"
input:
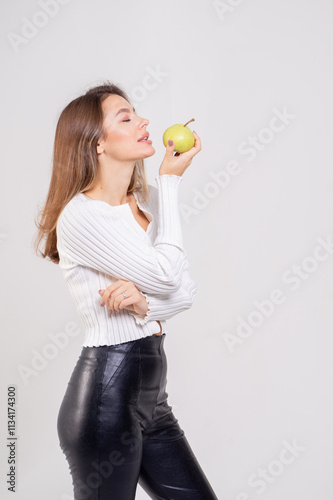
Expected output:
(144, 122)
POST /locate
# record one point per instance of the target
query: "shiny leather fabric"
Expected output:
(116, 428)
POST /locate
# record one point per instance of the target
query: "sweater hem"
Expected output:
(88, 344)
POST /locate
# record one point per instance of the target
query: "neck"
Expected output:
(112, 182)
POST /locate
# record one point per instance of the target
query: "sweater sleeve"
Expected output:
(89, 234)
(166, 306)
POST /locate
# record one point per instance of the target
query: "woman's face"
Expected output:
(123, 131)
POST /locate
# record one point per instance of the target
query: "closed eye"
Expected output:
(126, 120)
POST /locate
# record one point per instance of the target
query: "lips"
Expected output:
(144, 137)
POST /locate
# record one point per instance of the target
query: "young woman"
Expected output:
(119, 243)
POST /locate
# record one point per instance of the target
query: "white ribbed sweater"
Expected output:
(99, 243)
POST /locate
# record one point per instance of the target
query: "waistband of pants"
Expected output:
(151, 342)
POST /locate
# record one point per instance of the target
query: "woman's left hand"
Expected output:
(113, 297)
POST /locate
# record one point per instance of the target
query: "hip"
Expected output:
(119, 381)
(141, 362)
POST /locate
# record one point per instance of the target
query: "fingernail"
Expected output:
(102, 303)
(170, 142)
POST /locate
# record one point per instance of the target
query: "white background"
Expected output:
(229, 66)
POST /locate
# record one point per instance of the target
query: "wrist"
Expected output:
(164, 172)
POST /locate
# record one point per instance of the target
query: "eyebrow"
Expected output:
(124, 110)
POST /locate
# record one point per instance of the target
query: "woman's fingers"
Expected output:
(195, 149)
(197, 143)
(115, 300)
(177, 163)
(113, 295)
(108, 295)
(170, 148)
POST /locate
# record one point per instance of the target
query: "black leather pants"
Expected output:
(116, 428)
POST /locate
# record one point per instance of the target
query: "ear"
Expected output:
(100, 147)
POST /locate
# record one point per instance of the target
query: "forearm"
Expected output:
(93, 235)
(166, 306)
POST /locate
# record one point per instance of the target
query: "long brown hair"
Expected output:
(75, 162)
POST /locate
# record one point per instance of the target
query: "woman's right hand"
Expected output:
(177, 164)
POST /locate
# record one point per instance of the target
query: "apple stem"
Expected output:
(189, 122)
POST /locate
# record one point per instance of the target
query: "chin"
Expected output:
(149, 153)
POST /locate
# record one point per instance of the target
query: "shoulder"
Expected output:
(84, 214)
(76, 208)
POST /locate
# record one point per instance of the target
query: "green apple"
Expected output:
(181, 135)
